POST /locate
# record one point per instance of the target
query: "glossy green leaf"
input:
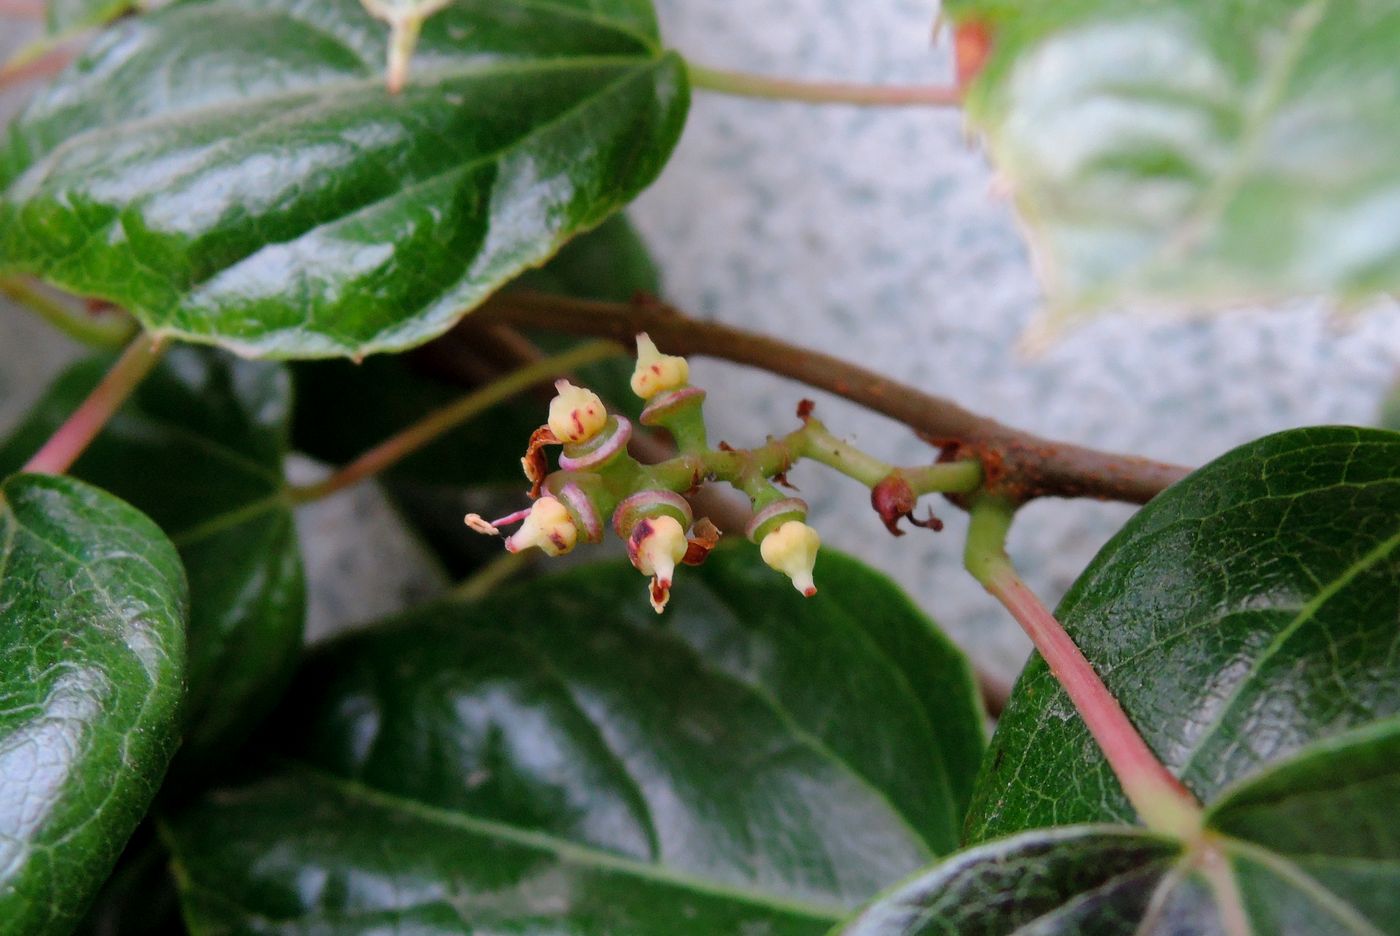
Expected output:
(1305, 848)
(610, 263)
(1197, 151)
(92, 604)
(343, 409)
(560, 759)
(234, 171)
(1314, 839)
(1251, 609)
(199, 448)
(1079, 880)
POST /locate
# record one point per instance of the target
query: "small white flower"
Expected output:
(792, 550)
(655, 546)
(656, 372)
(576, 414)
(548, 526)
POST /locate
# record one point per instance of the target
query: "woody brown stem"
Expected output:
(1019, 466)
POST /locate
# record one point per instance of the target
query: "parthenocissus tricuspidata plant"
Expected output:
(647, 505)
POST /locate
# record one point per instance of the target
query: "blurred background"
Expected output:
(877, 235)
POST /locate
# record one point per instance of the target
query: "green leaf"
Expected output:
(1308, 846)
(610, 263)
(234, 171)
(1197, 152)
(1085, 879)
(199, 448)
(139, 898)
(344, 409)
(1315, 838)
(1246, 612)
(92, 602)
(558, 758)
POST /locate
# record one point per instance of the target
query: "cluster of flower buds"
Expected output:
(598, 478)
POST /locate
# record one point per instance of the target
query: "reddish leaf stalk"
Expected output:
(24, 68)
(22, 9)
(73, 437)
(1159, 798)
(744, 84)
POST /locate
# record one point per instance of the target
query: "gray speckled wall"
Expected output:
(877, 235)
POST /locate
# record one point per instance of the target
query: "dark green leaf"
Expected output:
(139, 899)
(92, 602)
(610, 263)
(1249, 610)
(560, 759)
(343, 409)
(199, 448)
(1083, 880)
(1316, 836)
(1207, 152)
(1305, 848)
(233, 171)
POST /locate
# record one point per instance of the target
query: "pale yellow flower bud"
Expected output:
(576, 414)
(792, 550)
(656, 372)
(548, 526)
(656, 545)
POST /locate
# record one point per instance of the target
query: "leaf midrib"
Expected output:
(1282, 867)
(565, 850)
(1260, 107)
(1306, 614)
(797, 732)
(329, 89)
(901, 679)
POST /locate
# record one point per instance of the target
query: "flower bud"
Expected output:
(792, 550)
(655, 546)
(548, 526)
(657, 372)
(576, 414)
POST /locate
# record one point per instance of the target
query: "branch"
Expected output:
(743, 84)
(77, 432)
(1019, 466)
(449, 417)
